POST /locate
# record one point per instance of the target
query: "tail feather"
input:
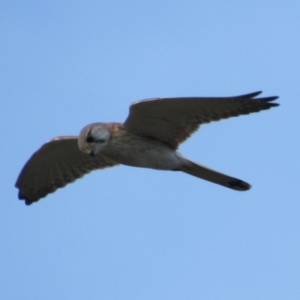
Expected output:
(205, 173)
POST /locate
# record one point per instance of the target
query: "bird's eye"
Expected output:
(89, 139)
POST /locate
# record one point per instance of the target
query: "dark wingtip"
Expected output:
(250, 95)
(26, 199)
(253, 95)
(239, 185)
(20, 196)
(264, 99)
(269, 99)
(274, 104)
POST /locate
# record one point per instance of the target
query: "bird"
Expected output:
(149, 138)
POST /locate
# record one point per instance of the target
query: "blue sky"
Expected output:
(129, 233)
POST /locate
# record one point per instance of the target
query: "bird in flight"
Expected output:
(148, 138)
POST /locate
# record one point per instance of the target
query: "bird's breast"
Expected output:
(132, 150)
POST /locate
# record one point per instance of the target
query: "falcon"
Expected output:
(148, 138)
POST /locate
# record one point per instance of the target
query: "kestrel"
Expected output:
(149, 138)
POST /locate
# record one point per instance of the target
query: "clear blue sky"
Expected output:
(129, 233)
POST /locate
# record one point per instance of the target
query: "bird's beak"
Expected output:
(89, 151)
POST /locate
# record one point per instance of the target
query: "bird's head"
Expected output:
(94, 138)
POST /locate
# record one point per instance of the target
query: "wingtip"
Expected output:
(24, 198)
(264, 99)
(268, 101)
(255, 94)
(273, 104)
(27, 197)
(250, 95)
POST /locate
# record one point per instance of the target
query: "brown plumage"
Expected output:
(148, 138)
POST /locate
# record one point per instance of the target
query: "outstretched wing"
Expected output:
(173, 120)
(53, 166)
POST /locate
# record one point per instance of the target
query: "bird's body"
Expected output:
(137, 151)
(149, 138)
